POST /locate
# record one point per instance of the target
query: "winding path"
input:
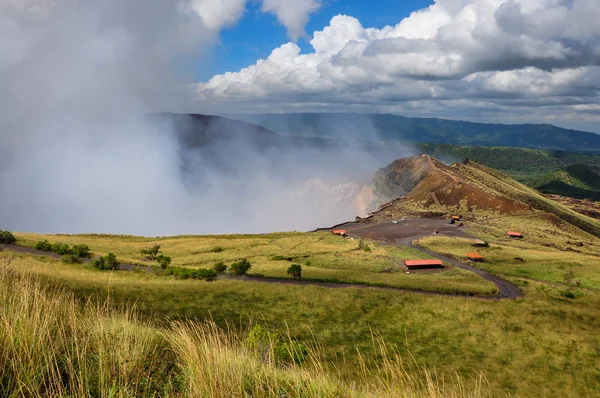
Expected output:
(506, 290)
(405, 232)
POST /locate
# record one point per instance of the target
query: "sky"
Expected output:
(258, 33)
(508, 61)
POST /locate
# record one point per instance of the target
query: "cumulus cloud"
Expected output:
(293, 14)
(481, 51)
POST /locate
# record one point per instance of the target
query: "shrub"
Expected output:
(217, 249)
(7, 238)
(109, 262)
(281, 258)
(43, 245)
(164, 261)
(367, 248)
(240, 267)
(268, 345)
(82, 251)
(292, 352)
(151, 253)
(71, 259)
(568, 294)
(262, 341)
(295, 271)
(220, 267)
(61, 248)
(189, 273)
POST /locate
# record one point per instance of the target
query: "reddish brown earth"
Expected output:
(425, 183)
(586, 207)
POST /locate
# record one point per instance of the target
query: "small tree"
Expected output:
(61, 248)
(164, 261)
(82, 251)
(43, 245)
(240, 267)
(220, 267)
(151, 253)
(109, 262)
(295, 271)
(7, 238)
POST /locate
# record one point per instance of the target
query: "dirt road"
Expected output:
(405, 232)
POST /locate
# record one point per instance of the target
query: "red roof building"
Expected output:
(423, 264)
(474, 256)
(513, 234)
(340, 232)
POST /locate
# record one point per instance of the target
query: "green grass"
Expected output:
(542, 345)
(323, 257)
(545, 344)
(51, 345)
(515, 190)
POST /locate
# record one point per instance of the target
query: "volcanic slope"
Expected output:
(422, 185)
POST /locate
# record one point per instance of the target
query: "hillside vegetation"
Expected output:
(554, 172)
(466, 187)
(323, 257)
(386, 127)
(518, 191)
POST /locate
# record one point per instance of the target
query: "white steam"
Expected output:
(76, 156)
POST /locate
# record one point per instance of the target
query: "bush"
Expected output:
(220, 267)
(7, 238)
(61, 248)
(240, 267)
(164, 261)
(568, 294)
(295, 271)
(151, 253)
(71, 259)
(82, 251)
(268, 345)
(189, 273)
(281, 258)
(367, 248)
(43, 245)
(109, 262)
(217, 249)
(292, 352)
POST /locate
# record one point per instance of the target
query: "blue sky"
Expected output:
(257, 33)
(508, 61)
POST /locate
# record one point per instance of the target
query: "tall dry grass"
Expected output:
(52, 345)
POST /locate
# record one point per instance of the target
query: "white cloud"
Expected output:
(293, 14)
(484, 50)
(217, 14)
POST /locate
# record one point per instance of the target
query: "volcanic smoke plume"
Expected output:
(79, 154)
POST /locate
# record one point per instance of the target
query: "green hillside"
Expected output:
(515, 190)
(397, 128)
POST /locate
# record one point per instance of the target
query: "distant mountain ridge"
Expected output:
(386, 127)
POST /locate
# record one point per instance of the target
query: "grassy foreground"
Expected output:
(52, 345)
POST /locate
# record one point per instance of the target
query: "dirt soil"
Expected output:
(414, 228)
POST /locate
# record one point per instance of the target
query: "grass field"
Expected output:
(551, 251)
(51, 345)
(545, 344)
(323, 256)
